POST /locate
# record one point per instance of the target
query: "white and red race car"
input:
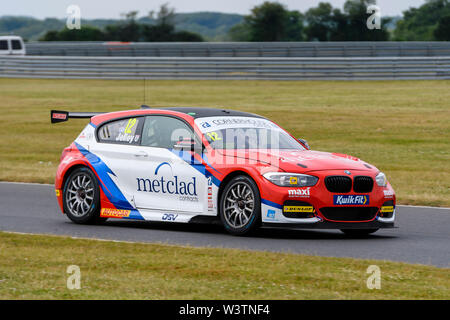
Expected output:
(187, 164)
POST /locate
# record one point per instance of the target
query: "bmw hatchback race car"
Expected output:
(188, 164)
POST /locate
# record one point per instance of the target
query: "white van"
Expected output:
(12, 45)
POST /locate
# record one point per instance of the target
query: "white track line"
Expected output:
(424, 207)
(161, 243)
(28, 183)
(51, 185)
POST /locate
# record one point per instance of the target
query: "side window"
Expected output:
(3, 44)
(16, 45)
(124, 131)
(165, 132)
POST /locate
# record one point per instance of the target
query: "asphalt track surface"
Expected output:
(423, 235)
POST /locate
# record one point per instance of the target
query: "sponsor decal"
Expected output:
(85, 135)
(299, 193)
(59, 116)
(351, 200)
(218, 123)
(271, 214)
(114, 213)
(210, 199)
(58, 192)
(169, 185)
(188, 198)
(293, 180)
(169, 217)
(298, 209)
(387, 209)
(388, 194)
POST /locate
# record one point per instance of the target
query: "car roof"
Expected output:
(10, 37)
(199, 112)
(194, 112)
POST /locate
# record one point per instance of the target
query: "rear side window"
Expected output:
(3, 45)
(124, 131)
(16, 45)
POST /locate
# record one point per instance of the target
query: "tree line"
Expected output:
(162, 30)
(273, 21)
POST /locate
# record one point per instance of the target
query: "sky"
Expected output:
(113, 8)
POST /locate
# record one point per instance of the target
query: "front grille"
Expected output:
(338, 184)
(349, 213)
(362, 184)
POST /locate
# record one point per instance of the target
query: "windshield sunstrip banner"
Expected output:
(209, 124)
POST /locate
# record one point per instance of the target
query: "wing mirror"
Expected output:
(304, 143)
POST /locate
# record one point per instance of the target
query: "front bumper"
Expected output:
(321, 211)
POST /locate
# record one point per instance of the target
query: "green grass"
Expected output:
(34, 267)
(402, 127)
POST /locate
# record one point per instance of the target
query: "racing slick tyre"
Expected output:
(240, 206)
(358, 232)
(81, 197)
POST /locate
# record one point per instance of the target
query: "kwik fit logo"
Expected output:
(351, 200)
(164, 185)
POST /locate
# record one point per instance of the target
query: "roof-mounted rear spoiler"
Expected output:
(61, 116)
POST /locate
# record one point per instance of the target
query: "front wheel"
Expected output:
(81, 197)
(358, 232)
(240, 206)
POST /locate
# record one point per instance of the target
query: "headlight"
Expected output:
(381, 179)
(283, 179)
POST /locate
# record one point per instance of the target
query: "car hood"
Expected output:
(301, 161)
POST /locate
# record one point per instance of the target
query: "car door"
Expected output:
(167, 176)
(117, 149)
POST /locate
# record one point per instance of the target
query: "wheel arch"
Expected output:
(227, 179)
(69, 171)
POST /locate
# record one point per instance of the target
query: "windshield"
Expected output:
(245, 133)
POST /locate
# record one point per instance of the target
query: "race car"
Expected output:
(185, 165)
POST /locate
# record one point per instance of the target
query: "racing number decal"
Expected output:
(130, 125)
(214, 136)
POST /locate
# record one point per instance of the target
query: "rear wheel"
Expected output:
(358, 232)
(240, 206)
(81, 197)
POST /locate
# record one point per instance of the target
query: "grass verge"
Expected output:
(34, 267)
(402, 127)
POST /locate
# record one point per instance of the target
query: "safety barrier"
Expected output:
(355, 68)
(241, 49)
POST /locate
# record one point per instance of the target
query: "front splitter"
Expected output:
(330, 225)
